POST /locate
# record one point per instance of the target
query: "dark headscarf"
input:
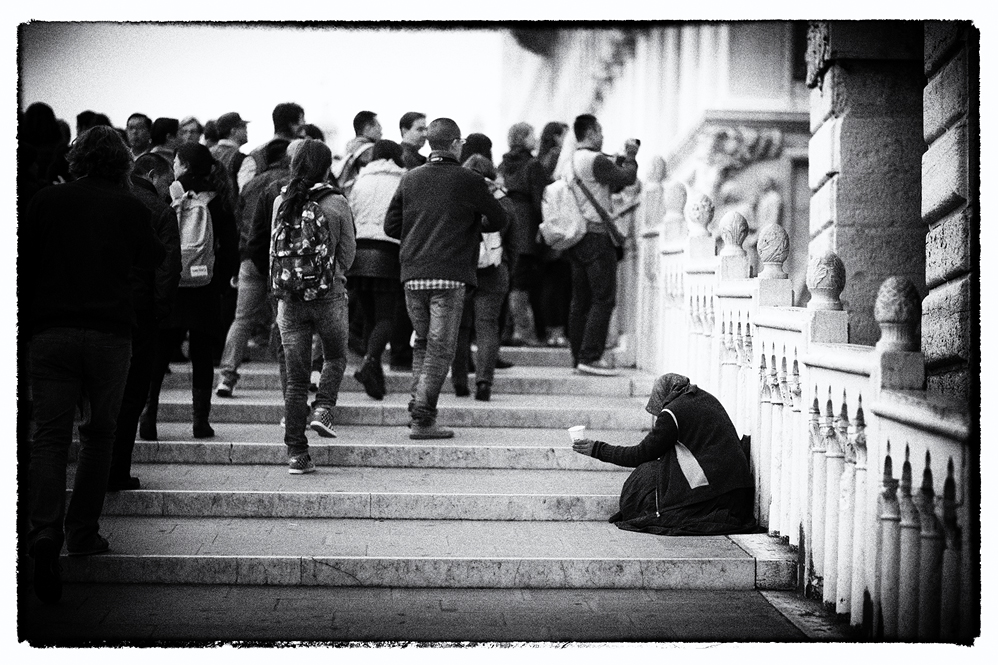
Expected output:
(667, 388)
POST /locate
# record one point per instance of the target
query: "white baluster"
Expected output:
(819, 479)
(786, 467)
(834, 463)
(765, 439)
(910, 549)
(890, 546)
(847, 507)
(859, 545)
(930, 560)
(776, 445)
(949, 615)
(800, 460)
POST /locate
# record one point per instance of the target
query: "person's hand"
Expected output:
(583, 447)
(631, 147)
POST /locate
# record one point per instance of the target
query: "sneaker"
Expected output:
(322, 422)
(96, 546)
(313, 381)
(429, 431)
(598, 368)
(461, 391)
(483, 392)
(48, 572)
(300, 464)
(224, 389)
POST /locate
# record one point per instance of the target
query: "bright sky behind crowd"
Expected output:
(205, 70)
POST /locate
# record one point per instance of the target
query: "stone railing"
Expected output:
(830, 423)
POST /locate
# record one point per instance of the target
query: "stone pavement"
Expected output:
(188, 615)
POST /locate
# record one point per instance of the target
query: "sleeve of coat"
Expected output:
(393, 218)
(494, 217)
(614, 175)
(655, 444)
(346, 248)
(168, 272)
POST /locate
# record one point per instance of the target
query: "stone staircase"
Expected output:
(505, 504)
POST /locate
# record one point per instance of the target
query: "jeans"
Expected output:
(481, 313)
(436, 317)
(65, 363)
(298, 321)
(594, 294)
(251, 306)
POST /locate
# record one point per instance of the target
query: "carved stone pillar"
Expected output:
(865, 156)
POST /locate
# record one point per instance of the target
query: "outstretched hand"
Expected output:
(583, 447)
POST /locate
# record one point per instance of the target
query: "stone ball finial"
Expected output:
(826, 278)
(699, 212)
(773, 246)
(898, 311)
(734, 231)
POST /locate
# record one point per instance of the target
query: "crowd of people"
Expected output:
(135, 243)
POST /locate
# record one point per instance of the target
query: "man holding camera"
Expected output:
(594, 258)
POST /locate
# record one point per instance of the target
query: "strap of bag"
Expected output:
(618, 239)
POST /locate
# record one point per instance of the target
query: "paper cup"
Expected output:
(577, 432)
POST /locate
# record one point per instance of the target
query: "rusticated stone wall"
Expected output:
(950, 212)
(865, 169)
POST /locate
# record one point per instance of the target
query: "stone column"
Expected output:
(950, 186)
(865, 157)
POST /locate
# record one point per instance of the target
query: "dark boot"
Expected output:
(200, 409)
(368, 376)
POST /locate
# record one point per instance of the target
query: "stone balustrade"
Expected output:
(829, 422)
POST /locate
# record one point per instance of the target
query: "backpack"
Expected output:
(490, 248)
(197, 237)
(563, 225)
(345, 169)
(302, 253)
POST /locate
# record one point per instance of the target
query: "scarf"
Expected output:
(667, 388)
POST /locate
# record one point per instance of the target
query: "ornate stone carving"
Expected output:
(826, 278)
(817, 52)
(898, 311)
(699, 212)
(734, 231)
(774, 248)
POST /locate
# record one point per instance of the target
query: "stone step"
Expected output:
(369, 445)
(513, 381)
(520, 411)
(418, 553)
(541, 356)
(368, 492)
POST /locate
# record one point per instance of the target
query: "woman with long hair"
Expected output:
(196, 309)
(311, 297)
(374, 276)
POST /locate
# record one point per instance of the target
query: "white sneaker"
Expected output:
(599, 368)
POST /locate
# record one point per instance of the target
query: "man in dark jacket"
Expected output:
(81, 242)
(153, 292)
(437, 214)
(254, 254)
(412, 125)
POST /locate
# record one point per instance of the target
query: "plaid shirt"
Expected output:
(427, 284)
